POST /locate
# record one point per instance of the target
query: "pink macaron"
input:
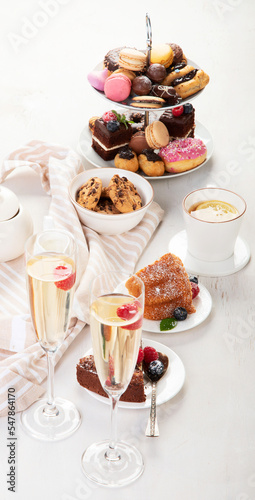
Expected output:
(117, 87)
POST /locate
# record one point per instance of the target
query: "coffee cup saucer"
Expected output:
(239, 259)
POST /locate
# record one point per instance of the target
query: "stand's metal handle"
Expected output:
(149, 39)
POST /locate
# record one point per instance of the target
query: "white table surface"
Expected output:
(206, 448)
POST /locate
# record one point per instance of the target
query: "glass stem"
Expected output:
(50, 410)
(112, 454)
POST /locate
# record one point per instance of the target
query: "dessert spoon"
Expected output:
(155, 370)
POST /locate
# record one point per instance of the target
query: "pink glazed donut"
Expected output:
(183, 154)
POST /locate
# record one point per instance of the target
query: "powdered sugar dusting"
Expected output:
(167, 286)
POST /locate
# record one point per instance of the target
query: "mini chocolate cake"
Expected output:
(182, 126)
(88, 378)
(106, 141)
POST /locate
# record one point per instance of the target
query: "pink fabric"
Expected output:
(22, 360)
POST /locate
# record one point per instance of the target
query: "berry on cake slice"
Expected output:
(195, 289)
(150, 354)
(140, 356)
(109, 116)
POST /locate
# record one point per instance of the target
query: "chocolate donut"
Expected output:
(111, 59)
(166, 92)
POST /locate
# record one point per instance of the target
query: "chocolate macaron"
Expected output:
(138, 142)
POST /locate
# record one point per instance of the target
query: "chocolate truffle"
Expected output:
(166, 92)
(156, 72)
(138, 142)
(141, 85)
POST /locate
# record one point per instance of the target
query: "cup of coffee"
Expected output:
(213, 217)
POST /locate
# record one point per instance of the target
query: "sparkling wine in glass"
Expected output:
(51, 275)
(116, 327)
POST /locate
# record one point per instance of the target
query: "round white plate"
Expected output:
(239, 259)
(203, 305)
(126, 103)
(167, 387)
(88, 152)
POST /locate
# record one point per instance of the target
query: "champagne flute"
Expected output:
(51, 274)
(116, 327)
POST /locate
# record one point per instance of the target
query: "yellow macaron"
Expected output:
(162, 54)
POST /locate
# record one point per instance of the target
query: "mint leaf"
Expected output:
(122, 118)
(167, 324)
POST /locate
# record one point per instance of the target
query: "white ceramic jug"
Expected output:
(16, 225)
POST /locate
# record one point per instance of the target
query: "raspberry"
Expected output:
(109, 116)
(127, 311)
(140, 356)
(150, 354)
(134, 326)
(195, 289)
(177, 111)
(64, 284)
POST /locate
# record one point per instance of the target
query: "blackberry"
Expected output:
(194, 279)
(155, 370)
(187, 108)
(112, 126)
(180, 313)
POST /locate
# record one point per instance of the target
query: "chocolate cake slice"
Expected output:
(106, 142)
(182, 126)
(87, 377)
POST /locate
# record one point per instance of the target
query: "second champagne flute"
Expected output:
(116, 327)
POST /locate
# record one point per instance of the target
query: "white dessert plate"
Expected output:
(85, 148)
(167, 387)
(203, 305)
(126, 102)
(239, 259)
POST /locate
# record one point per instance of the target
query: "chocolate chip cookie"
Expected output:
(123, 194)
(106, 206)
(89, 194)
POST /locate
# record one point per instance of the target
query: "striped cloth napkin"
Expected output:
(22, 361)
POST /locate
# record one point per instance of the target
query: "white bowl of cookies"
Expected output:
(110, 201)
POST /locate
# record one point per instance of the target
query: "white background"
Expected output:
(206, 448)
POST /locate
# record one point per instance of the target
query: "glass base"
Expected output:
(118, 472)
(51, 427)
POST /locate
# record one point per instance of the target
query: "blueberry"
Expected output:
(194, 279)
(187, 108)
(155, 370)
(180, 313)
(112, 126)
